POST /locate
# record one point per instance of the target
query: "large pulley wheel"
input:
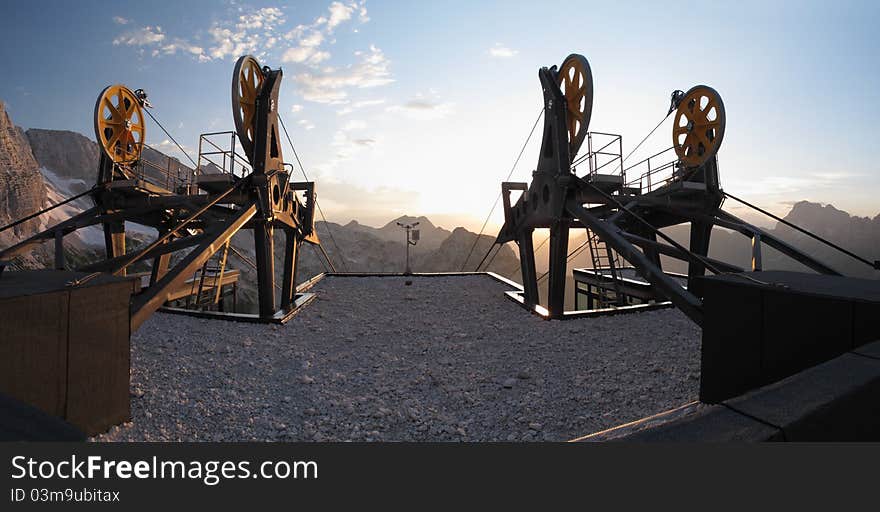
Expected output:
(119, 124)
(247, 79)
(576, 82)
(699, 126)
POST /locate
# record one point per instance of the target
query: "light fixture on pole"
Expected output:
(412, 238)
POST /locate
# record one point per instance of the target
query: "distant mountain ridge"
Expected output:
(431, 236)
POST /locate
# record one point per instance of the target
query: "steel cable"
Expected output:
(195, 165)
(48, 209)
(495, 205)
(318, 205)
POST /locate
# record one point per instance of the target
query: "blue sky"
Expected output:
(420, 108)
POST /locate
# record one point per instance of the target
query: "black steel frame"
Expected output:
(626, 216)
(200, 216)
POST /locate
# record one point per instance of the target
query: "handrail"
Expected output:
(645, 181)
(230, 156)
(600, 157)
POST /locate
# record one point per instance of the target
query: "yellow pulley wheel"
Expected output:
(246, 82)
(576, 82)
(119, 124)
(699, 126)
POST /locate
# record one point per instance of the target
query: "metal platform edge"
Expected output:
(280, 317)
(539, 310)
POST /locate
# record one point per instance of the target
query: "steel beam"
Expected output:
(59, 250)
(160, 267)
(148, 252)
(700, 235)
(264, 246)
(756, 252)
(558, 264)
(778, 244)
(527, 267)
(114, 241)
(153, 297)
(86, 218)
(648, 245)
(687, 302)
(288, 287)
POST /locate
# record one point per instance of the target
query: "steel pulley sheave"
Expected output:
(119, 124)
(698, 127)
(247, 79)
(576, 82)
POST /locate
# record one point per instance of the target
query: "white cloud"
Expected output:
(307, 50)
(330, 85)
(354, 124)
(368, 103)
(253, 32)
(296, 108)
(182, 46)
(339, 13)
(145, 36)
(501, 51)
(306, 124)
(150, 36)
(357, 105)
(308, 39)
(423, 107)
(349, 140)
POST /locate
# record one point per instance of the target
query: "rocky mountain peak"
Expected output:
(68, 154)
(22, 190)
(423, 221)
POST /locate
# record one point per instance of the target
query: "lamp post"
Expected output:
(412, 238)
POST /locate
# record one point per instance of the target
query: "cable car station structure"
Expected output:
(195, 214)
(623, 216)
(758, 326)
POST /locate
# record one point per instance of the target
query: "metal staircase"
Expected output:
(605, 259)
(207, 283)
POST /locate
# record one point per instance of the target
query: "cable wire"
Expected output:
(875, 264)
(195, 165)
(247, 260)
(573, 254)
(644, 139)
(495, 205)
(318, 205)
(44, 210)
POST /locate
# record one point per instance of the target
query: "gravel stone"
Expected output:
(426, 367)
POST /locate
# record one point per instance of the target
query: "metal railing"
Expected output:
(170, 176)
(655, 171)
(604, 151)
(214, 155)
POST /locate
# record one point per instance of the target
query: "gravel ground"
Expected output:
(445, 359)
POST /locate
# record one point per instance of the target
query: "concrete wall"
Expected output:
(838, 400)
